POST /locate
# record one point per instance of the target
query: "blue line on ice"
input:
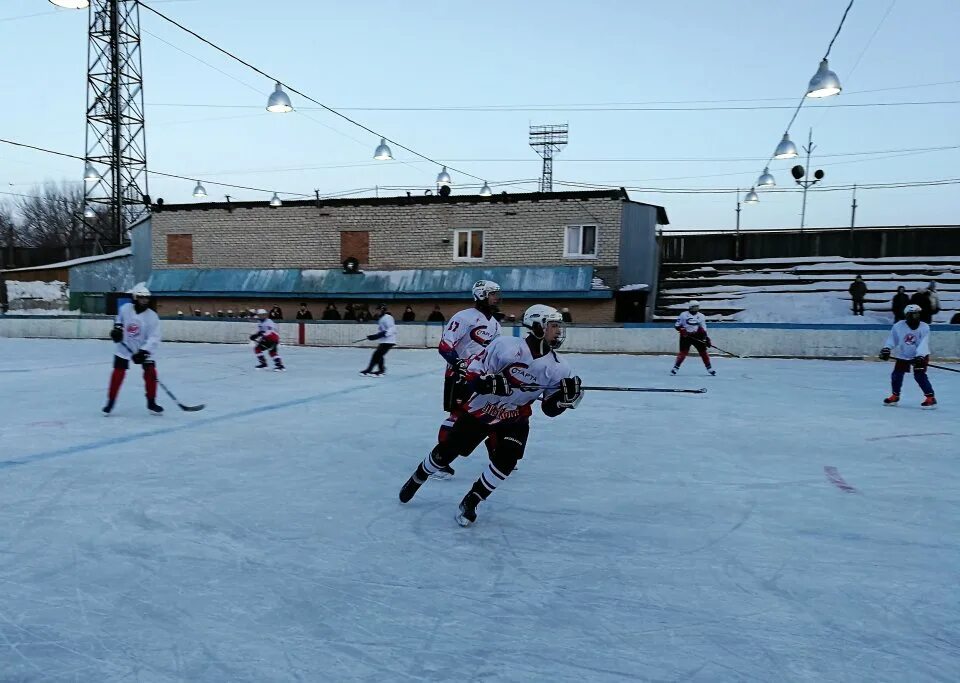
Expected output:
(127, 438)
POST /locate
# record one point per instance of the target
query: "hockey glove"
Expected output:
(371, 337)
(255, 336)
(459, 369)
(140, 357)
(493, 384)
(571, 393)
(116, 334)
(885, 353)
(919, 363)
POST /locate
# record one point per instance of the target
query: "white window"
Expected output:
(580, 242)
(468, 245)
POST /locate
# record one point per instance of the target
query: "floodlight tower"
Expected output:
(547, 141)
(115, 173)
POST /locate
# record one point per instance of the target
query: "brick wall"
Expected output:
(521, 232)
(583, 311)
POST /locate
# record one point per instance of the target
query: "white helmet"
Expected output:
(140, 289)
(261, 311)
(484, 288)
(536, 318)
(693, 304)
(912, 308)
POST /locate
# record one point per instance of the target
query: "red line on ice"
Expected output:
(834, 476)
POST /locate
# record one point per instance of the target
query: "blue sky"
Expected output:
(384, 54)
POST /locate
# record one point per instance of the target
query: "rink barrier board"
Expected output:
(764, 340)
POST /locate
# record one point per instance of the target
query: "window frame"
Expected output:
(469, 231)
(579, 254)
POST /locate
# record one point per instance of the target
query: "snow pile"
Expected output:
(43, 311)
(37, 295)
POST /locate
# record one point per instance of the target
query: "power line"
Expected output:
(159, 173)
(564, 108)
(299, 92)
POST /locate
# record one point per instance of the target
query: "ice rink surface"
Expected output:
(782, 527)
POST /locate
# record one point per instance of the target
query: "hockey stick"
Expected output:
(534, 387)
(724, 351)
(942, 367)
(189, 409)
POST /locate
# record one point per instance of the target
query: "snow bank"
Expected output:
(39, 291)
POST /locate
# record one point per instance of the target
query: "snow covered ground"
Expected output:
(782, 527)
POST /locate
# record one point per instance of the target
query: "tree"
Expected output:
(8, 235)
(52, 216)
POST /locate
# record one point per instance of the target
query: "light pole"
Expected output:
(799, 173)
(736, 244)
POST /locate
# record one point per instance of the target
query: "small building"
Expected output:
(594, 253)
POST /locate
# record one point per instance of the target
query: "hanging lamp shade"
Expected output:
(71, 4)
(824, 83)
(766, 179)
(199, 190)
(443, 178)
(275, 200)
(383, 152)
(786, 149)
(751, 197)
(90, 174)
(485, 191)
(279, 102)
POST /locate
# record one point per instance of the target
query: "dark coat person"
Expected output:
(858, 291)
(304, 313)
(900, 301)
(349, 313)
(276, 314)
(331, 312)
(408, 315)
(436, 315)
(922, 299)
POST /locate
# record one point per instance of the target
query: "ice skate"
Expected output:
(929, 402)
(107, 409)
(891, 400)
(261, 365)
(410, 489)
(154, 408)
(468, 509)
(445, 472)
(675, 370)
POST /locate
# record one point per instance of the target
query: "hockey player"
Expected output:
(505, 379)
(267, 337)
(136, 333)
(909, 343)
(387, 334)
(692, 326)
(467, 334)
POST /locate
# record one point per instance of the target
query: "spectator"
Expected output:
(196, 313)
(955, 320)
(229, 312)
(304, 312)
(934, 299)
(436, 315)
(331, 312)
(276, 313)
(220, 313)
(408, 315)
(922, 299)
(565, 314)
(349, 313)
(900, 301)
(363, 313)
(858, 290)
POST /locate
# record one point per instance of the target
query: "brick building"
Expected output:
(592, 252)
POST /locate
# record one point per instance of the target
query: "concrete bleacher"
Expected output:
(803, 289)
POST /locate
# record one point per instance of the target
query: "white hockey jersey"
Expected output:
(907, 344)
(140, 331)
(468, 333)
(511, 356)
(388, 326)
(266, 326)
(691, 322)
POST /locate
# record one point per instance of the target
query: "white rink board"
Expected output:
(643, 537)
(756, 340)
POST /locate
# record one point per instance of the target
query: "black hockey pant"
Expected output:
(376, 360)
(465, 435)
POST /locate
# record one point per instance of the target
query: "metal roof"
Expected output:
(525, 282)
(504, 198)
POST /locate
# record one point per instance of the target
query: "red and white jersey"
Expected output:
(691, 322)
(141, 331)
(907, 344)
(267, 326)
(468, 333)
(512, 357)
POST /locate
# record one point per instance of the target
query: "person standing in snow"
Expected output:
(858, 292)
